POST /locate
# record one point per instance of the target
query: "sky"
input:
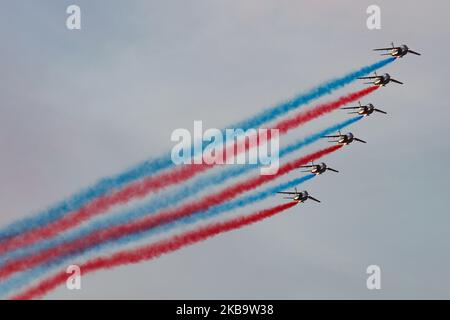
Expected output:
(76, 106)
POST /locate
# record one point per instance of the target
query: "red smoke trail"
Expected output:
(322, 109)
(154, 250)
(162, 217)
(134, 190)
(142, 188)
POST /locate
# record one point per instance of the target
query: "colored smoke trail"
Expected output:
(155, 250)
(101, 204)
(322, 109)
(321, 90)
(149, 167)
(83, 246)
(20, 280)
(142, 188)
(163, 202)
(171, 215)
(163, 217)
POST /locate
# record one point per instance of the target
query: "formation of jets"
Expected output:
(363, 110)
(385, 78)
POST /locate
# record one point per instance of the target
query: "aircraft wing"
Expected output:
(370, 77)
(285, 192)
(396, 81)
(381, 111)
(331, 136)
(349, 108)
(314, 199)
(310, 166)
(413, 52)
(379, 49)
(360, 140)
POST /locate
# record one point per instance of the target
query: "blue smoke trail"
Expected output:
(317, 92)
(159, 203)
(149, 167)
(19, 280)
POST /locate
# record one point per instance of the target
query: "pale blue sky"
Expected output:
(76, 106)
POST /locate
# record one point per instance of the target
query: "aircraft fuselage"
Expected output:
(301, 197)
(346, 139)
(366, 110)
(319, 168)
(400, 51)
(382, 80)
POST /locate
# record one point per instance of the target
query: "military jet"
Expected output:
(298, 196)
(397, 52)
(381, 81)
(344, 139)
(365, 110)
(318, 168)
